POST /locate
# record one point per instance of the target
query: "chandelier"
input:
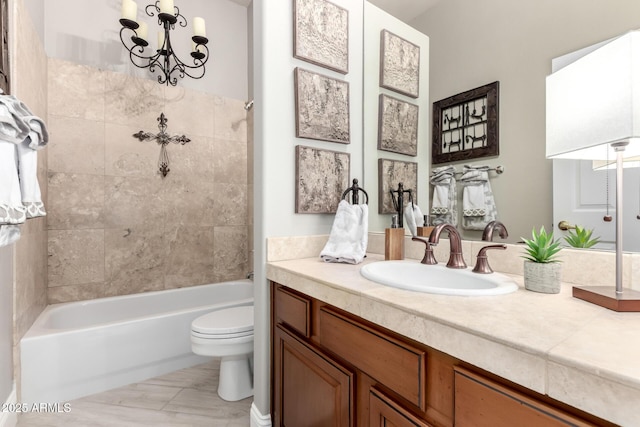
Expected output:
(163, 59)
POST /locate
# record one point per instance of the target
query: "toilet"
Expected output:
(228, 334)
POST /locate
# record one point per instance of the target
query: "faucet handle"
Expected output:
(428, 258)
(482, 262)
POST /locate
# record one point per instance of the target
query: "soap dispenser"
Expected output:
(394, 240)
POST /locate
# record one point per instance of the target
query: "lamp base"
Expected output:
(605, 296)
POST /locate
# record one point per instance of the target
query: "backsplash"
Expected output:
(115, 225)
(584, 267)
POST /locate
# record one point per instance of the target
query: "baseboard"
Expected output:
(9, 419)
(257, 419)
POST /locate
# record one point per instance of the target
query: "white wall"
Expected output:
(87, 32)
(478, 42)
(275, 143)
(376, 20)
(6, 322)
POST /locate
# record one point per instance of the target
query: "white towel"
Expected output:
(349, 235)
(445, 200)
(413, 218)
(9, 234)
(478, 204)
(21, 134)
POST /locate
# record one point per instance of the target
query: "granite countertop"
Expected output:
(571, 350)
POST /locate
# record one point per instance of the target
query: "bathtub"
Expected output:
(80, 348)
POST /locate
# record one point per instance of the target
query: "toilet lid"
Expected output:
(232, 320)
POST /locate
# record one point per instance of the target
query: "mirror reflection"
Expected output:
(475, 43)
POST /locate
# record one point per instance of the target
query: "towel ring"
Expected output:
(354, 197)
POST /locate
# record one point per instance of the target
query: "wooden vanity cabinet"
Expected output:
(331, 368)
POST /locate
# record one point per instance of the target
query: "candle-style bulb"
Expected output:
(199, 28)
(166, 6)
(129, 10)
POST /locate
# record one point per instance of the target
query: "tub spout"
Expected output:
(455, 244)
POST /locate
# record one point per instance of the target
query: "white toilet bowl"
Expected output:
(228, 333)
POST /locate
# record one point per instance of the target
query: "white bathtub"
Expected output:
(80, 348)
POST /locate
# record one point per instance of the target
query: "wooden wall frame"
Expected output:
(465, 126)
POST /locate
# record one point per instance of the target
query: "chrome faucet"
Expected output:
(487, 234)
(455, 244)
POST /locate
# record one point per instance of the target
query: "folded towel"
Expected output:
(9, 234)
(478, 204)
(444, 205)
(12, 211)
(413, 218)
(349, 235)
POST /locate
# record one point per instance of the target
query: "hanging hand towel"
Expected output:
(9, 234)
(478, 205)
(349, 234)
(413, 218)
(21, 134)
(444, 205)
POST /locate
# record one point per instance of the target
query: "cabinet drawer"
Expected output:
(480, 402)
(397, 365)
(385, 412)
(293, 310)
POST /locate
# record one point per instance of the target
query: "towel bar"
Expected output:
(355, 196)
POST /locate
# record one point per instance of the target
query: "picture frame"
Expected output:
(397, 125)
(390, 173)
(321, 34)
(399, 64)
(322, 107)
(465, 126)
(321, 178)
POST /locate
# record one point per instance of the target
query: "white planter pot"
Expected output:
(542, 277)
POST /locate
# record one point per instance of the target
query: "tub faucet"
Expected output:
(487, 234)
(455, 244)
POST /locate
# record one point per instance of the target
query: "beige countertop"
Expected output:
(573, 351)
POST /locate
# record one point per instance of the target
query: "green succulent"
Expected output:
(541, 247)
(581, 238)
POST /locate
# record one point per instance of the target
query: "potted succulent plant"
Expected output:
(541, 264)
(581, 238)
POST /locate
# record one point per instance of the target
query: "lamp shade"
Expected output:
(595, 101)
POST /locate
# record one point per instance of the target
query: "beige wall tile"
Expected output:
(230, 119)
(230, 161)
(76, 90)
(75, 201)
(191, 259)
(76, 257)
(230, 253)
(189, 200)
(128, 156)
(76, 145)
(230, 204)
(132, 101)
(133, 201)
(69, 293)
(196, 120)
(196, 158)
(134, 259)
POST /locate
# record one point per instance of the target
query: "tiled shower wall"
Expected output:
(115, 225)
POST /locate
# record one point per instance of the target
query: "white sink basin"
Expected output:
(437, 279)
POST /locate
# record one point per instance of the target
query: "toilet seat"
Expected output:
(234, 322)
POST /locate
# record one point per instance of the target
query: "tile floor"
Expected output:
(185, 398)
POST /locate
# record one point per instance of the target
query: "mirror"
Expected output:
(508, 47)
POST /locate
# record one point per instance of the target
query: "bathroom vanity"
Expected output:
(349, 352)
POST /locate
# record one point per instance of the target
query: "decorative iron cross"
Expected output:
(163, 139)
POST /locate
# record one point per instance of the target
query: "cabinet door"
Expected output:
(384, 412)
(310, 389)
(480, 402)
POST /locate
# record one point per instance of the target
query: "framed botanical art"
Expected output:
(321, 34)
(399, 64)
(465, 126)
(397, 126)
(321, 178)
(322, 107)
(390, 173)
